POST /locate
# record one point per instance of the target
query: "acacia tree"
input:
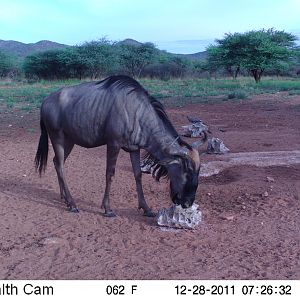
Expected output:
(93, 59)
(254, 51)
(44, 65)
(73, 64)
(134, 58)
(227, 54)
(267, 49)
(6, 64)
(99, 57)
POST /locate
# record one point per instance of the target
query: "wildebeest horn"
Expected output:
(197, 144)
(181, 151)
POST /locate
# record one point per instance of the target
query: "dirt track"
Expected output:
(250, 229)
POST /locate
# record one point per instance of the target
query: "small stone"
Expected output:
(52, 241)
(282, 202)
(270, 179)
(265, 194)
(9, 125)
(227, 217)
(24, 175)
(208, 194)
(243, 206)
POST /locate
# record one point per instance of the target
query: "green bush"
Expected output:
(237, 95)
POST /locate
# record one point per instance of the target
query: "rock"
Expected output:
(282, 202)
(52, 241)
(196, 129)
(265, 194)
(179, 217)
(216, 146)
(228, 218)
(270, 179)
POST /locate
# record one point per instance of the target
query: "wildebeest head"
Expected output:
(181, 165)
(183, 172)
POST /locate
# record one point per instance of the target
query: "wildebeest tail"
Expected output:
(41, 156)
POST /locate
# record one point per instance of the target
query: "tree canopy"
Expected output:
(7, 64)
(134, 58)
(255, 51)
(93, 59)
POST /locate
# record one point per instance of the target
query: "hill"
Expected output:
(130, 42)
(194, 56)
(22, 49)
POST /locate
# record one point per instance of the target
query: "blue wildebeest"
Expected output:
(117, 112)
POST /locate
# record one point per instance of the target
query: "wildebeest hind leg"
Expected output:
(111, 160)
(68, 146)
(136, 167)
(62, 148)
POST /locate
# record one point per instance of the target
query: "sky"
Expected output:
(178, 26)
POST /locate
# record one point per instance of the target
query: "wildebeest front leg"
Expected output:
(136, 167)
(111, 160)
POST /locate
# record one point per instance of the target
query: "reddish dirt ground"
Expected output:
(244, 235)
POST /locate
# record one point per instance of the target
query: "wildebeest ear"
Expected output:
(195, 145)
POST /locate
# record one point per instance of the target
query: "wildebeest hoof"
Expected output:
(74, 209)
(149, 214)
(109, 214)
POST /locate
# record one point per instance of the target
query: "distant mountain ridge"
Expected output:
(22, 49)
(130, 42)
(193, 56)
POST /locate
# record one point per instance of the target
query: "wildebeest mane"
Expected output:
(122, 82)
(159, 170)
